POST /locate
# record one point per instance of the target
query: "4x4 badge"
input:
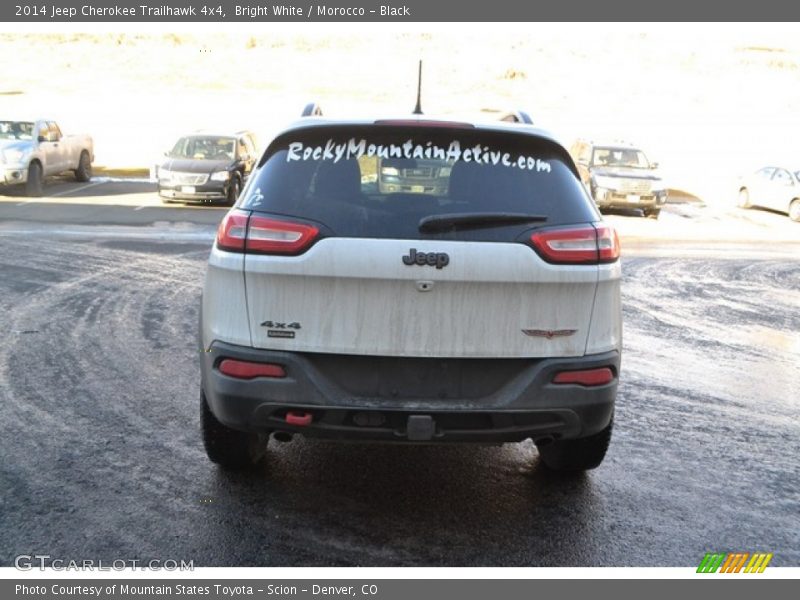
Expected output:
(277, 329)
(276, 325)
(549, 333)
(432, 259)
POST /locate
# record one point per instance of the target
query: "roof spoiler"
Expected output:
(517, 116)
(312, 109)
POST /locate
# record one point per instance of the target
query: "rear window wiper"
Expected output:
(475, 220)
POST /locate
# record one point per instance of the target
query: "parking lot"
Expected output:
(99, 386)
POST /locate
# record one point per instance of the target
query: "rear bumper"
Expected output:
(527, 405)
(612, 199)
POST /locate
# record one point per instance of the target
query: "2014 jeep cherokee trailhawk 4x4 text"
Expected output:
(483, 309)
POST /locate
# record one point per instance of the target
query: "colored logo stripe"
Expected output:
(758, 563)
(710, 563)
(734, 562)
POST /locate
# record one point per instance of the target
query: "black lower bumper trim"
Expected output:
(528, 405)
(395, 425)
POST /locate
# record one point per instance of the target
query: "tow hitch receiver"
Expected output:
(420, 428)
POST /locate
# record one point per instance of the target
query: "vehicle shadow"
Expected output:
(766, 211)
(624, 212)
(67, 187)
(317, 503)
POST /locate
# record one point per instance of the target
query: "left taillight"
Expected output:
(243, 232)
(232, 231)
(584, 245)
(273, 236)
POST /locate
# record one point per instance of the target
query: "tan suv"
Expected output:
(619, 175)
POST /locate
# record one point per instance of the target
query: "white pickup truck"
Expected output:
(31, 150)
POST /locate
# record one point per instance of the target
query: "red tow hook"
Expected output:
(301, 419)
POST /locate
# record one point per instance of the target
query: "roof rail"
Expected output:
(517, 116)
(312, 109)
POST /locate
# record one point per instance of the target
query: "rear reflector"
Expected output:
(242, 369)
(584, 245)
(587, 377)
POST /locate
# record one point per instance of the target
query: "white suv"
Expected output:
(483, 309)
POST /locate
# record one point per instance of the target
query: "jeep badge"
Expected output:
(432, 259)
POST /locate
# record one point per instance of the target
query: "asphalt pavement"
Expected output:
(102, 459)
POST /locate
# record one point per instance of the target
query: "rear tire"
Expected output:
(230, 449)
(743, 201)
(794, 210)
(33, 187)
(652, 213)
(581, 454)
(84, 170)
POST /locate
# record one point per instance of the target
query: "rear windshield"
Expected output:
(381, 181)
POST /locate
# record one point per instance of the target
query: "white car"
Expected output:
(777, 188)
(486, 310)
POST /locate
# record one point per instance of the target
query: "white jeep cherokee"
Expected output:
(412, 281)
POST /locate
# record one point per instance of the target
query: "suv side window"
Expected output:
(601, 156)
(782, 177)
(765, 173)
(248, 148)
(583, 153)
(241, 150)
(54, 133)
(368, 166)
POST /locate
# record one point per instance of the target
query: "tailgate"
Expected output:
(358, 296)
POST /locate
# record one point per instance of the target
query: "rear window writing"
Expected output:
(375, 181)
(410, 150)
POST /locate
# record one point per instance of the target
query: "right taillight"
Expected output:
(607, 243)
(241, 231)
(585, 377)
(582, 245)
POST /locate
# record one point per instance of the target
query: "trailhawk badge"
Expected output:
(549, 333)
